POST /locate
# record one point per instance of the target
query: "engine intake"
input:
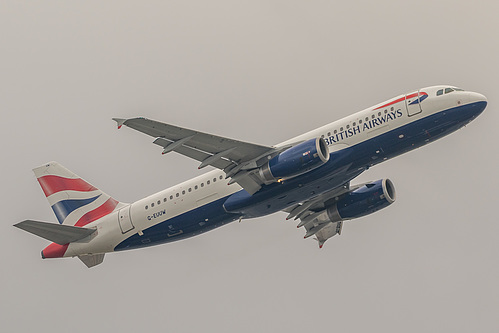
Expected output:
(366, 200)
(363, 201)
(295, 161)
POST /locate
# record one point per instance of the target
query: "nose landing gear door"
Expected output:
(413, 103)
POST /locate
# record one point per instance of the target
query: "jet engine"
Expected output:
(361, 202)
(295, 161)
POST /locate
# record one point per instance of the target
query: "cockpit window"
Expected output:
(448, 90)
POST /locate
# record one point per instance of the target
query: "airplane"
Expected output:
(308, 177)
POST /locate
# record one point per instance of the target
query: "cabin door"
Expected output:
(124, 219)
(413, 103)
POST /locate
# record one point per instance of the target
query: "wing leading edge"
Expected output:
(238, 159)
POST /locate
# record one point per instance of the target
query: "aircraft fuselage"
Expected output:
(356, 143)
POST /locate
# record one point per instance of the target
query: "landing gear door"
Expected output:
(125, 220)
(412, 103)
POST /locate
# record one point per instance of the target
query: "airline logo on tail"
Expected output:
(73, 200)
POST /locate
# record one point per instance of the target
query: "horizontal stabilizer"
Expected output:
(57, 233)
(92, 260)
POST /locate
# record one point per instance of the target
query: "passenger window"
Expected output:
(221, 177)
(348, 126)
(341, 129)
(152, 205)
(147, 206)
(360, 121)
(177, 195)
(171, 197)
(208, 182)
(183, 192)
(379, 114)
(196, 187)
(164, 200)
(367, 118)
(214, 179)
(202, 184)
(159, 202)
(328, 133)
(353, 124)
(190, 189)
(335, 131)
(373, 116)
(448, 90)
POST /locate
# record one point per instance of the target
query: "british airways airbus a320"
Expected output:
(308, 177)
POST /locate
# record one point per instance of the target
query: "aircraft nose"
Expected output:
(476, 97)
(477, 102)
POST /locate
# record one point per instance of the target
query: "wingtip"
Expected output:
(119, 122)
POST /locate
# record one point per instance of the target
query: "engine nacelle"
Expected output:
(295, 161)
(363, 201)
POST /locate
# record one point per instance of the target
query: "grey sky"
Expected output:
(260, 71)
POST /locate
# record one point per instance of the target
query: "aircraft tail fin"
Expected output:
(74, 201)
(57, 233)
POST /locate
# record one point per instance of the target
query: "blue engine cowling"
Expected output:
(295, 161)
(361, 202)
(366, 200)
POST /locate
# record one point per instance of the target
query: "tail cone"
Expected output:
(54, 250)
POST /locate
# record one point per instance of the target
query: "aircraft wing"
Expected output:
(309, 214)
(239, 160)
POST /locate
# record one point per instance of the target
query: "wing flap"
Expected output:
(201, 156)
(330, 230)
(312, 217)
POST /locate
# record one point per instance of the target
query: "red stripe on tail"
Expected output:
(54, 184)
(54, 251)
(97, 213)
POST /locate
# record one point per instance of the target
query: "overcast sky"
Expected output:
(260, 71)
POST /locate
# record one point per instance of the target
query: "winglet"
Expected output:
(321, 242)
(119, 121)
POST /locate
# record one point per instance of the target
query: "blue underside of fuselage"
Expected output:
(343, 166)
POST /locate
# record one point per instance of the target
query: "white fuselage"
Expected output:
(174, 202)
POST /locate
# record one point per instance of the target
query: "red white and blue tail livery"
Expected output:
(73, 200)
(308, 177)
